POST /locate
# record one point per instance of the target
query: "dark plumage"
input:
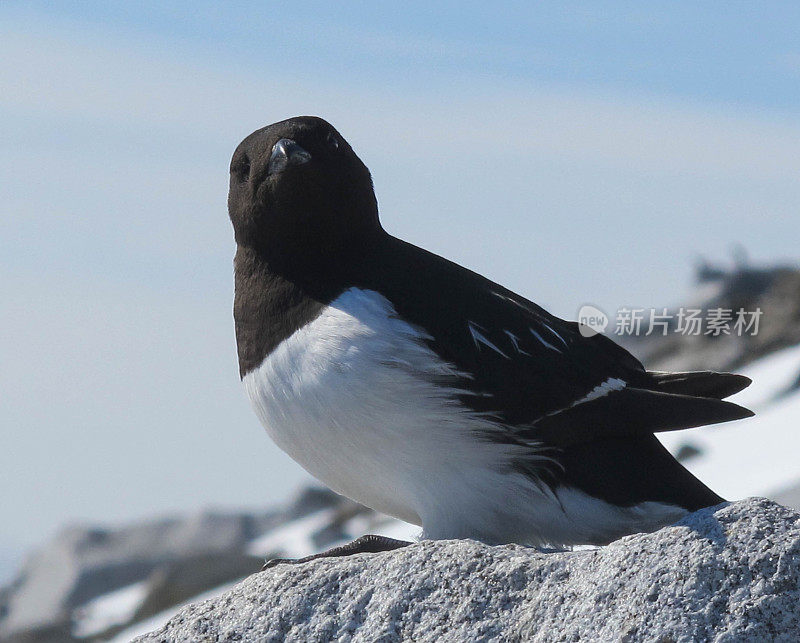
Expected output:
(307, 232)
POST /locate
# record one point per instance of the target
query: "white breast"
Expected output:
(351, 397)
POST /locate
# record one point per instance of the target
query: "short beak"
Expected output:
(286, 153)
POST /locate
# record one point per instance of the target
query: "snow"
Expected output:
(293, 539)
(108, 610)
(159, 620)
(771, 376)
(759, 455)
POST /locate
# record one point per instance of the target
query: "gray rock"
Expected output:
(725, 574)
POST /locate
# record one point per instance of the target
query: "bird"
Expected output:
(430, 393)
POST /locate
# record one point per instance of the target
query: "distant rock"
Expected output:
(90, 582)
(775, 290)
(730, 574)
(82, 563)
(687, 451)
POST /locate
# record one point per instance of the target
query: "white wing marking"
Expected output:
(601, 390)
(550, 328)
(479, 338)
(544, 341)
(544, 323)
(515, 340)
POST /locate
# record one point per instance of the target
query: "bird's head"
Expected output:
(298, 188)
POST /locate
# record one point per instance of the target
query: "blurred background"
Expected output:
(613, 154)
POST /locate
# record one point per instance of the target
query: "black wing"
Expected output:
(535, 370)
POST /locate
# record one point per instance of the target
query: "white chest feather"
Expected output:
(351, 397)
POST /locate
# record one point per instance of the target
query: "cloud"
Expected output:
(140, 86)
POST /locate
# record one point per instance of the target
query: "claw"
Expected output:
(366, 544)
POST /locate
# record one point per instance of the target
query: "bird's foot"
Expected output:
(369, 544)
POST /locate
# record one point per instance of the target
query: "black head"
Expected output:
(297, 189)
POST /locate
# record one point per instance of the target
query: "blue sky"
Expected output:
(576, 152)
(739, 52)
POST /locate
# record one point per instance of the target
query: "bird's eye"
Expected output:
(333, 142)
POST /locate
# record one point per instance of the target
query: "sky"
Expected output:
(575, 152)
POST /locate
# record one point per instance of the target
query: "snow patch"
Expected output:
(108, 610)
(754, 456)
(295, 539)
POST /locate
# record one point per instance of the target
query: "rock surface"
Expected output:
(730, 573)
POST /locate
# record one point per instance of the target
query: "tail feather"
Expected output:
(700, 383)
(634, 411)
(627, 471)
(620, 460)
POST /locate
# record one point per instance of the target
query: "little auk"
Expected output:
(428, 392)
